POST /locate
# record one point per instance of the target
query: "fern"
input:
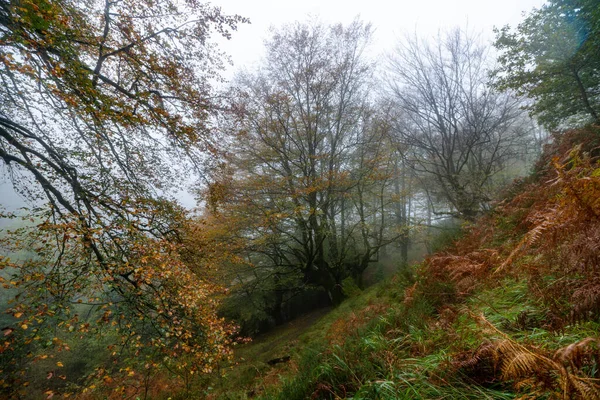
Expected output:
(586, 302)
(529, 368)
(532, 237)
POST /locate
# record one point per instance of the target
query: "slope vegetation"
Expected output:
(510, 310)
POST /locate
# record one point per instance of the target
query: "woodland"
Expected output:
(420, 225)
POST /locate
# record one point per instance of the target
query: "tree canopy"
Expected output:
(309, 168)
(552, 58)
(97, 98)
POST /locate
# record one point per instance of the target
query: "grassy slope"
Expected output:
(512, 310)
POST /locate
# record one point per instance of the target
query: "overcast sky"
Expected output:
(391, 19)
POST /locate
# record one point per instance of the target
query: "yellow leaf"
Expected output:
(59, 364)
(24, 326)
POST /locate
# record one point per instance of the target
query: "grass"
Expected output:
(374, 346)
(421, 335)
(250, 373)
(467, 324)
(396, 354)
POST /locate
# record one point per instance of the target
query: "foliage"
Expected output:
(586, 139)
(563, 235)
(309, 177)
(552, 58)
(565, 373)
(169, 318)
(98, 98)
(509, 311)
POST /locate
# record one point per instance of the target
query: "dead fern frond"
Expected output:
(530, 368)
(409, 294)
(531, 386)
(578, 354)
(587, 388)
(530, 239)
(465, 270)
(558, 219)
(518, 364)
(586, 302)
(466, 284)
(517, 361)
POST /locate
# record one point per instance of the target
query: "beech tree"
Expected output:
(309, 161)
(97, 100)
(552, 58)
(450, 125)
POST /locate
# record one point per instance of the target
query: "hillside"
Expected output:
(318, 173)
(510, 310)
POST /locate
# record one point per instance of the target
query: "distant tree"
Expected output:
(552, 58)
(97, 100)
(449, 125)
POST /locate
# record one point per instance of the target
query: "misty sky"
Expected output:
(391, 19)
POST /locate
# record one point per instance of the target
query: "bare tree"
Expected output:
(451, 126)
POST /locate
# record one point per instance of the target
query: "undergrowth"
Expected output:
(511, 310)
